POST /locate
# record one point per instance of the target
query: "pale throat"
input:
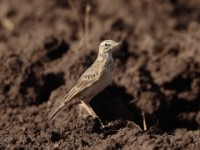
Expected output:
(106, 56)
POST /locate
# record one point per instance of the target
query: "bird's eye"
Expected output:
(106, 44)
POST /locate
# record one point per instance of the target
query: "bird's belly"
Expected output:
(97, 87)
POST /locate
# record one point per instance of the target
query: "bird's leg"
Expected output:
(88, 108)
(90, 111)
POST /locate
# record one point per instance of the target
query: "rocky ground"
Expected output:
(44, 50)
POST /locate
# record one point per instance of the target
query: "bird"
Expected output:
(95, 79)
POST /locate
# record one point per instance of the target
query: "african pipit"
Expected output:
(93, 80)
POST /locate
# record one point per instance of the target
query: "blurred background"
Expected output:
(46, 45)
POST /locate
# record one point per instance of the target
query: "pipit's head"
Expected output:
(107, 46)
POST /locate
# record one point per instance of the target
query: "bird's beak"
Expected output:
(116, 44)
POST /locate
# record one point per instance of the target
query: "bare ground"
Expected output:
(157, 71)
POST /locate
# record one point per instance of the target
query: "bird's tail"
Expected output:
(56, 112)
(65, 100)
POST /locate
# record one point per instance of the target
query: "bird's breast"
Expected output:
(101, 84)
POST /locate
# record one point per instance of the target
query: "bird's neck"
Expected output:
(105, 56)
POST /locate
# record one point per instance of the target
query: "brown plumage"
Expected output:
(93, 80)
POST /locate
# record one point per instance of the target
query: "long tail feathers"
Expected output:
(56, 112)
(65, 100)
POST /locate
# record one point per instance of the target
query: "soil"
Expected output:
(43, 52)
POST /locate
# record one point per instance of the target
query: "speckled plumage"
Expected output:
(93, 80)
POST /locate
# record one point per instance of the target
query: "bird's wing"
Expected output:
(88, 78)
